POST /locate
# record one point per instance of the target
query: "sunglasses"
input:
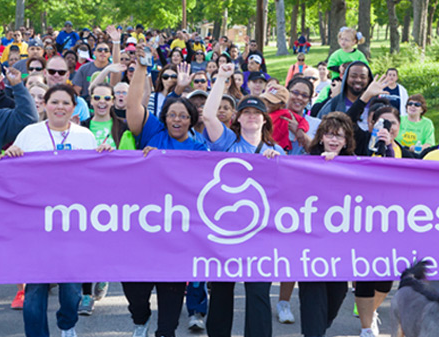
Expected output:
(131, 52)
(28, 34)
(59, 71)
(214, 80)
(416, 104)
(313, 78)
(301, 60)
(200, 81)
(101, 50)
(199, 53)
(105, 97)
(125, 59)
(38, 69)
(166, 76)
(131, 69)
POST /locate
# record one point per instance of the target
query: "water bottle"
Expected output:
(418, 147)
(374, 135)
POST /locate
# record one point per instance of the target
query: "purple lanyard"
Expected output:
(52, 138)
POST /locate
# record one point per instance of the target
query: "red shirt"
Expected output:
(280, 127)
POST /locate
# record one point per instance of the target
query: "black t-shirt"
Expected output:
(393, 97)
(120, 113)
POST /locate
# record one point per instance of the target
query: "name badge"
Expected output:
(66, 146)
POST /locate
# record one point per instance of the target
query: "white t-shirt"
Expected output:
(36, 137)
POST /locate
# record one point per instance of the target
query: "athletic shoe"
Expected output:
(375, 321)
(86, 306)
(355, 312)
(196, 322)
(284, 313)
(17, 303)
(367, 333)
(69, 333)
(100, 290)
(141, 330)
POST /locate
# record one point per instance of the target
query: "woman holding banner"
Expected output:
(170, 131)
(251, 132)
(57, 133)
(320, 301)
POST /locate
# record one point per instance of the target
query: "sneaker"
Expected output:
(284, 313)
(375, 321)
(141, 330)
(17, 303)
(355, 311)
(367, 333)
(86, 306)
(100, 290)
(69, 333)
(196, 322)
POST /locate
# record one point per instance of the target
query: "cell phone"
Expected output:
(147, 59)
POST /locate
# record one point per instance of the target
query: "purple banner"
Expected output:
(193, 216)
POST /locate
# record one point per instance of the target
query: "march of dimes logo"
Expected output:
(239, 209)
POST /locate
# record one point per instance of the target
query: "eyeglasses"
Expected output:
(101, 50)
(125, 59)
(297, 93)
(309, 78)
(416, 104)
(38, 69)
(301, 60)
(105, 97)
(131, 69)
(199, 53)
(180, 116)
(121, 93)
(199, 81)
(28, 34)
(49, 48)
(59, 71)
(337, 136)
(166, 76)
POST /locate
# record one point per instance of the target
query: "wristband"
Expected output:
(116, 42)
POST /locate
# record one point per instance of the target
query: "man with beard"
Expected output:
(357, 78)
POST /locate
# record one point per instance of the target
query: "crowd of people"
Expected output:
(139, 89)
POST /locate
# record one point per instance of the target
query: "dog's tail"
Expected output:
(413, 277)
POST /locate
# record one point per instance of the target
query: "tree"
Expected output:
(322, 25)
(294, 16)
(259, 24)
(281, 34)
(364, 25)
(419, 30)
(19, 13)
(432, 8)
(393, 24)
(336, 21)
(406, 25)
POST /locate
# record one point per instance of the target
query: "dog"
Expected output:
(415, 306)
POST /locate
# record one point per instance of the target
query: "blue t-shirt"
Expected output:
(228, 142)
(155, 134)
(70, 39)
(6, 42)
(198, 137)
(393, 97)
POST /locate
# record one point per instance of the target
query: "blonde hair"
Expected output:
(357, 36)
(39, 84)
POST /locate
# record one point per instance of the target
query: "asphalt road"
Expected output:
(112, 319)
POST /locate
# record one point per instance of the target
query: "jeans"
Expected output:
(197, 300)
(35, 308)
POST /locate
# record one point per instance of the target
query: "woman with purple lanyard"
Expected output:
(251, 132)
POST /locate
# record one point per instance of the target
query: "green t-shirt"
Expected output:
(102, 132)
(340, 56)
(412, 132)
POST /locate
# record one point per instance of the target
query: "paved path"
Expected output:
(111, 317)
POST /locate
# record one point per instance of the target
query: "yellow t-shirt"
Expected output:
(23, 46)
(178, 43)
(138, 36)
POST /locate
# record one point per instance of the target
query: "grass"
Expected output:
(278, 66)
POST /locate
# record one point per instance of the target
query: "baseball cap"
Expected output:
(231, 99)
(68, 23)
(132, 40)
(256, 58)
(197, 92)
(252, 102)
(35, 43)
(130, 48)
(276, 93)
(130, 28)
(256, 76)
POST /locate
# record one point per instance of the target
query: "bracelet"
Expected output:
(116, 42)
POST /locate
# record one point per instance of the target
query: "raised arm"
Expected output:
(135, 109)
(114, 68)
(116, 49)
(213, 125)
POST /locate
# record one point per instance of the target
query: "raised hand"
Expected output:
(113, 33)
(184, 77)
(292, 122)
(375, 88)
(226, 70)
(13, 75)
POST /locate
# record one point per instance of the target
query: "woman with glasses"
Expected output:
(250, 132)
(170, 131)
(37, 91)
(35, 64)
(298, 67)
(198, 63)
(50, 50)
(165, 83)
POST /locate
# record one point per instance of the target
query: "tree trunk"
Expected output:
(393, 21)
(265, 22)
(419, 29)
(336, 21)
(268, 35)
(281, 34)
(259, 24)
(294, 15)
(372, 31)
(386, 33)
(364, 25)
(224, 27)
(19, 13)
(328, 28)
(406, 25)
(303, 20)
(217, 28)
(322, 27)
(432, 9)
(184, 14)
